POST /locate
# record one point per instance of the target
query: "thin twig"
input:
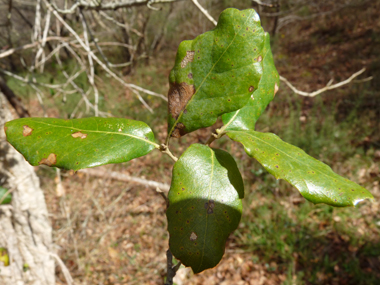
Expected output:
(91, 75)
(124, 177)
(105, 68)
(98, 5)
(65, 271)
(31, 45)
(171, 270)
(265, 4)
(326, 88)
(92, 38)
(204, 11)
(159, 191)
(211, 139)
(165, 149)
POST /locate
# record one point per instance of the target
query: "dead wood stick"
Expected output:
(124, 177)
(329, 85)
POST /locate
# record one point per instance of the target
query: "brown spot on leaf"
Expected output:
(275, 89)
(188, 58)
(209, 206)
(190, 75)
(27, 131)
(79, 135)
(260, 58)
(251, 88)
(179, 131)
(193, 236)
(50, 160)
(178, 96)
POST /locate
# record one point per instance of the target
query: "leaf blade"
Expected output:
(216, 72)
(204, 206)
(315, 180)
(5, 199)
(246, 117)
(79, 143)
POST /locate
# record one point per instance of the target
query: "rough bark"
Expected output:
(25, 230)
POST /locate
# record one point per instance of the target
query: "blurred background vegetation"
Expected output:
(110, 232)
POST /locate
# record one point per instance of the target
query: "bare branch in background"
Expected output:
(99, 6)
(105, 68)
(91, 73)
(204, 11)
(98, 172)
(92, 39)
(31, 45)
(77, 46)
(261, 3)
(329, 85)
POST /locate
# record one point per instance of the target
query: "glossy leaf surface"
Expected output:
(314, 179)
(246, 117)
(215, 73)
(204, 206)
(79, 143)
(5, 199)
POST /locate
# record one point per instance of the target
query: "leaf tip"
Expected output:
(275, 89)
(357, 201)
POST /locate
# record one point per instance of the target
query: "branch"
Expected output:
(204, 11)
(133, 87)
(124, 177)
(99, 6)
(258, 2)
(91, 74)
(327, 87)
(171, 270)
(31, 45)
(92, 38)
(165, 149)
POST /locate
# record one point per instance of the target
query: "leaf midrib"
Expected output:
(237, 112)
(100, 132)
(291, 157)
(207, 215)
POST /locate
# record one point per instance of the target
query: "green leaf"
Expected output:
(246, 117)
(79, 143)
(5, 199)
(215, 73)
(205, 206)
(314, 179)
(4, 257)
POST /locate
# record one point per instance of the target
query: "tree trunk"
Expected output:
(25, 230)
